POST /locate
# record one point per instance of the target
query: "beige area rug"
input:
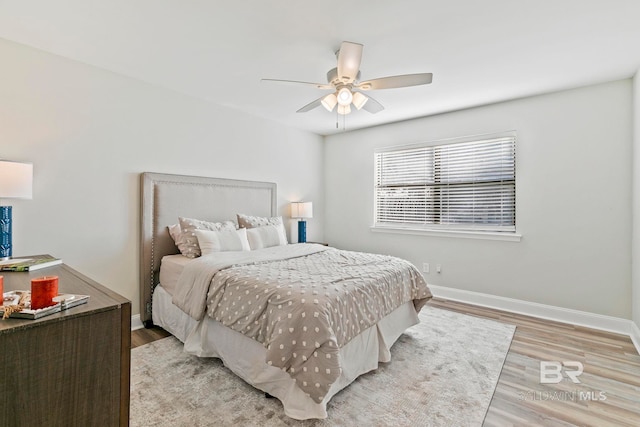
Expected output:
(443, 372)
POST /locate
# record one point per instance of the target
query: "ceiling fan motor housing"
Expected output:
(332, 78)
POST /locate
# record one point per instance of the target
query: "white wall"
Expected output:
(636, 202)
(573, 200)
(90, 133)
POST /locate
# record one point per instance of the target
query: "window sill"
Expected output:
(482, 235)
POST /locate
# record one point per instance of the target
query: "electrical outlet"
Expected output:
(438, 268)
(425, 267)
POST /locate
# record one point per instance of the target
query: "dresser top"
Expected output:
(70, 281)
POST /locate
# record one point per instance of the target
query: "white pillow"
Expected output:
(223, 240)
(265, 237)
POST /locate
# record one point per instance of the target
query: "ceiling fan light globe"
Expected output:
(344, 109)
(329, 101)
(359, 100)
(345, 97)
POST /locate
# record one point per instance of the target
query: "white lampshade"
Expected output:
(359, 100)
(329, 101)
(302, 210)
(16, 180)
(344, 109)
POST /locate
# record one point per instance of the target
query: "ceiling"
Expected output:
(478, 51)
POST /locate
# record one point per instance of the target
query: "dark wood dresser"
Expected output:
(70, 368)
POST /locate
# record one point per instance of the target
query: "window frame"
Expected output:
(449, 230)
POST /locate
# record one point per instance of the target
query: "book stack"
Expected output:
(29, 264)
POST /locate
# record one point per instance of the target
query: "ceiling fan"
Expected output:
(344, 82)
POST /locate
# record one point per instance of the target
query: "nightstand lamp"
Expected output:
(301, 211)
(16, 182)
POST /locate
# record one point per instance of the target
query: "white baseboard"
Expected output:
(542, 311)
(136, 323)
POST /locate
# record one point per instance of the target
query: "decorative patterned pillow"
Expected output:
(188, 242)
(248, 221)
(175, 232)
(224, 240)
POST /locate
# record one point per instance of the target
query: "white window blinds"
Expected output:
(468, 185)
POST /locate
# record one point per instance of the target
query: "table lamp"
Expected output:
(301, 211)
(16, 182)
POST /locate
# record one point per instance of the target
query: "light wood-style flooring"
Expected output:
(608, 393)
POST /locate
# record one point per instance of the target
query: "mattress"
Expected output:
(246, 357)
(171, 269)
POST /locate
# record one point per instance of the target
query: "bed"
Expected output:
(316, 322)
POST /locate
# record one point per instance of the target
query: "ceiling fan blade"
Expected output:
(349, 58)
(310, 106)
(372, 105)
(316, 85)
(393, 82)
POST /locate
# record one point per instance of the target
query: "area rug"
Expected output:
(443, 372)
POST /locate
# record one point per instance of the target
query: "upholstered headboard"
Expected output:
(166, 197)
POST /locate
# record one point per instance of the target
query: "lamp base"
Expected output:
(5, 233)
(302, 231)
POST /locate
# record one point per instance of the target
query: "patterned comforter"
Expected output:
(303, 304)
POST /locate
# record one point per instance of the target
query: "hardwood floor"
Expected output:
(145, 336)
(608, 393)
(609, 390)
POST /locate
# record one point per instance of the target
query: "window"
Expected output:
(466, 184)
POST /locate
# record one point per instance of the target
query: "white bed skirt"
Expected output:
(246, 357)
